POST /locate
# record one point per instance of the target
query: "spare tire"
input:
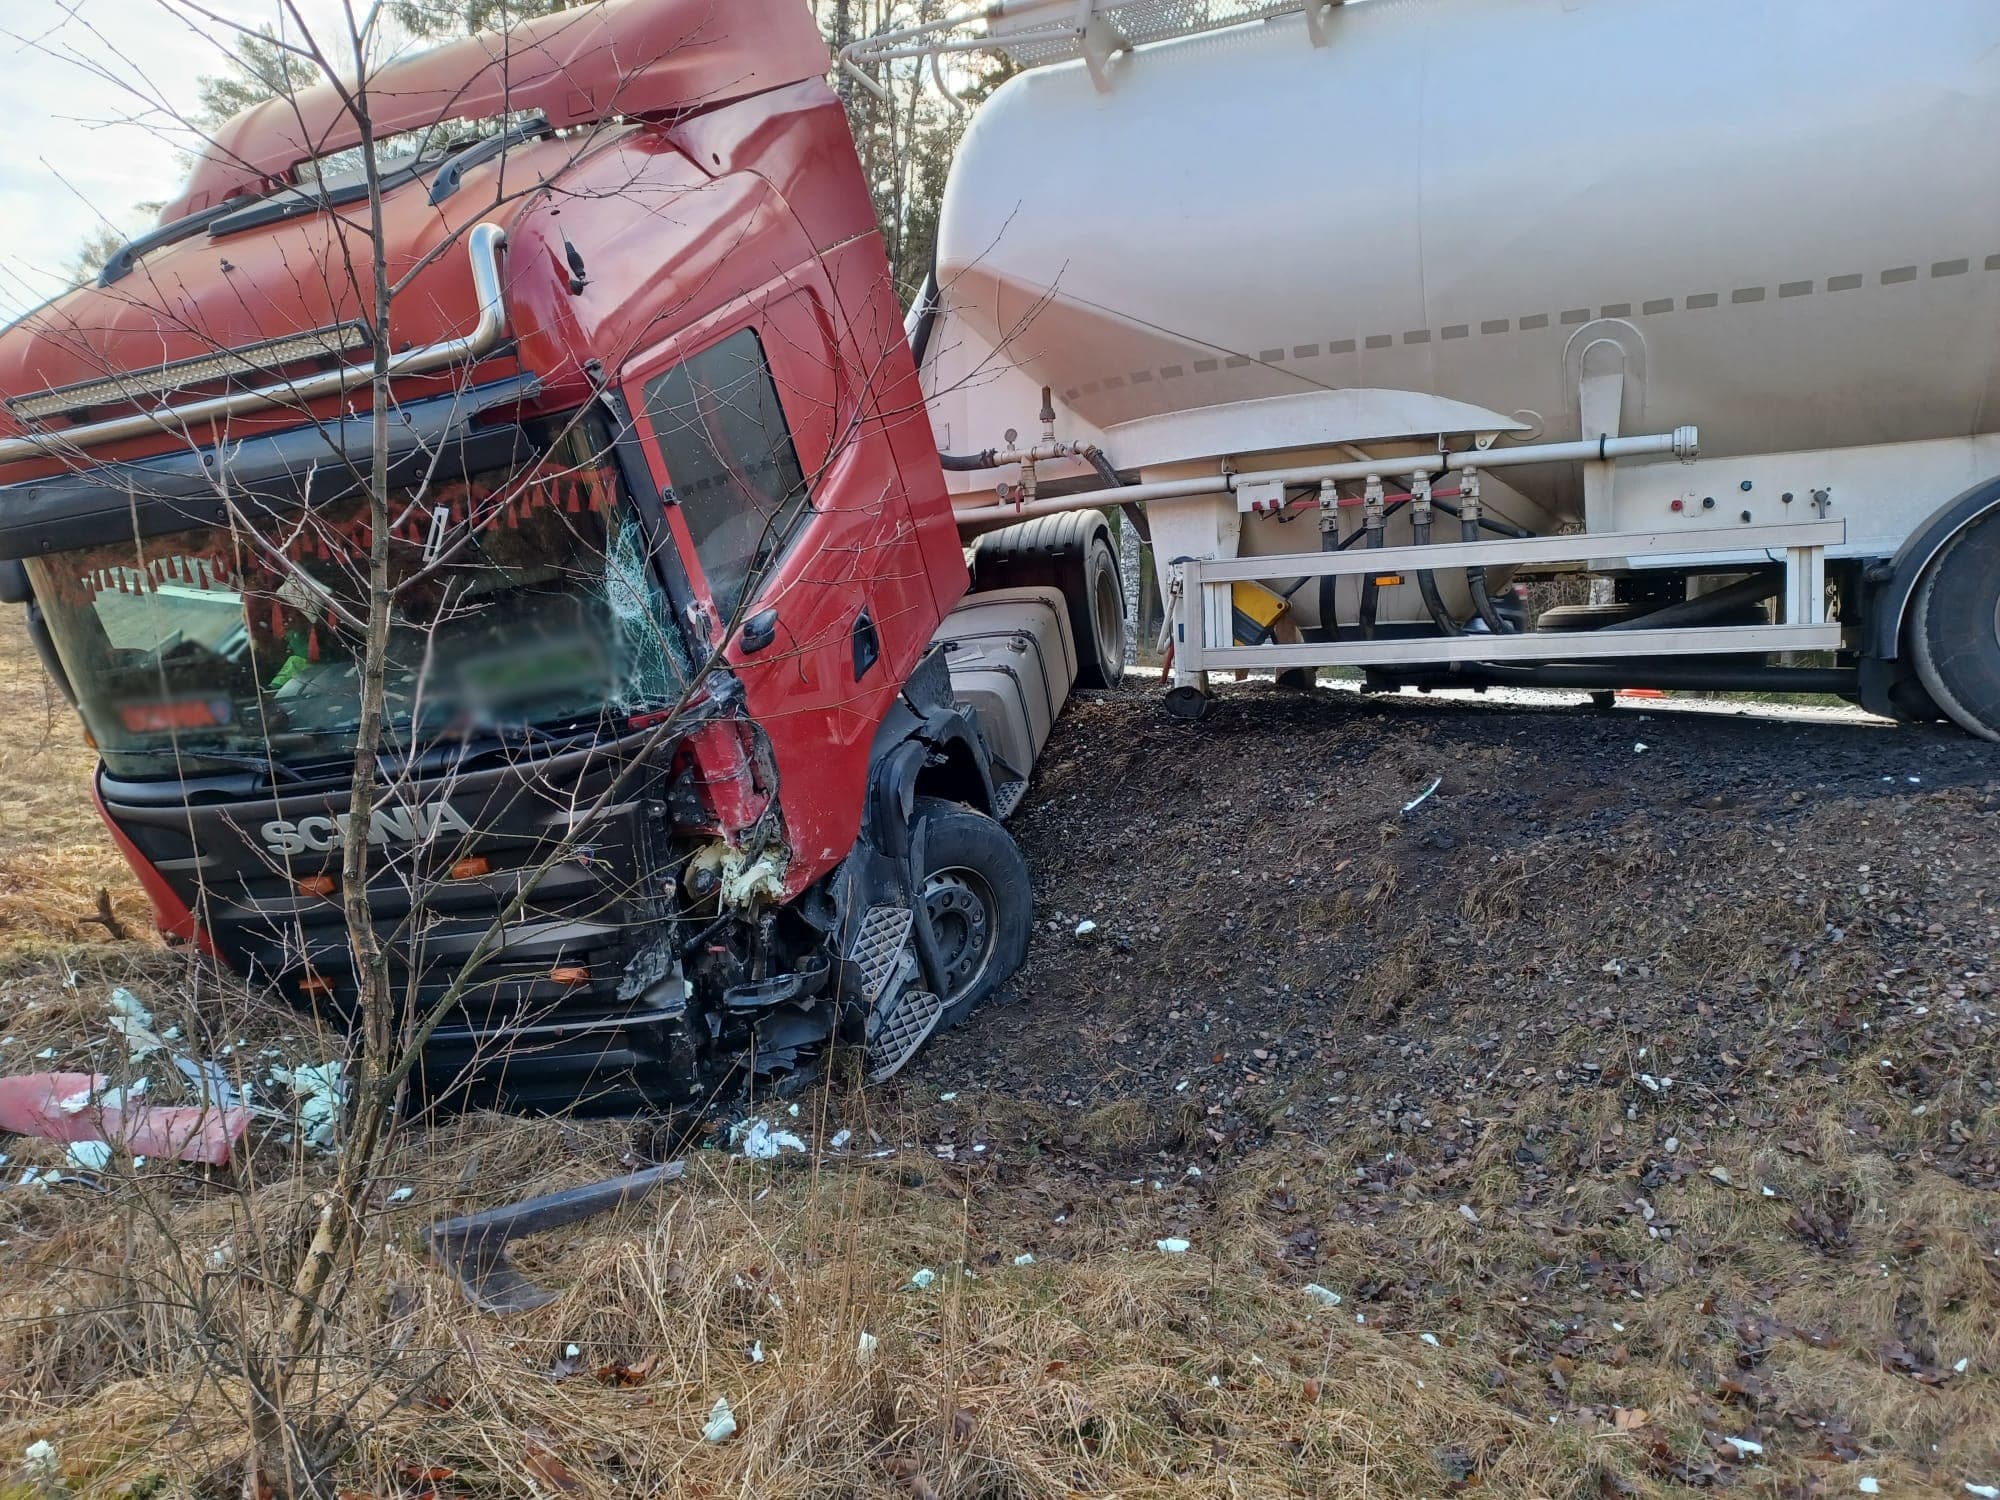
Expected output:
(1071, 552)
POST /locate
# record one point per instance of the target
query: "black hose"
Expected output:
(1487, 523)
(1104, 468)
(1371, 592)
(1427, 584)
(966, 462)
(1329, 601)
(1475, 581)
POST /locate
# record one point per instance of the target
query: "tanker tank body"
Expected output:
(1776, 220)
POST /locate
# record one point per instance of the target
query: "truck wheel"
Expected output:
(1071, 552)
(975, 893)
(1955, 629)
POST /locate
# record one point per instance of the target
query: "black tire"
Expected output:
(1071, 552)
(1954, 629)
(976, 893)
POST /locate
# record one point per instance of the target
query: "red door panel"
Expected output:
(787, 503)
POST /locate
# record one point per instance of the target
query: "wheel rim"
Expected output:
(1108, 614)
(959, 904)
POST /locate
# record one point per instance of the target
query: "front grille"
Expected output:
(542, 1013)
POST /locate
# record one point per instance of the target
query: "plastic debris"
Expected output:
(40, 1457)
(1961, 1367)
(90, 1156)
(761, 1142)
(1026, 1258)
(840, 1139)
(209, 1080)
(321, 1090)
(865, 1346)
(1172, 1246)
(1422, 797)
(1983, 1491)
(1085, 929)
(73, 1107)
(1468, 1213)
(1325, 1296)
(1867, 1485)
(757, 1352)
(1431, 1339)
(139, 1039)
(1638, 747)
(39, 1177)
(402, 1195)
(1744, 1446)
(721, 1425)
(922, 1279)
(947, 1096)
(125, 1003)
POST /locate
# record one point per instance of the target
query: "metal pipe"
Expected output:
(1682, 442)
(1645, 672)
(483, 244)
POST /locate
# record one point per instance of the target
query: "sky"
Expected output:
(91, 87)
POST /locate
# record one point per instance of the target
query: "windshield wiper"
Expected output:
(273, 768)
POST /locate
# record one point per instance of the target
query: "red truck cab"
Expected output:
(674, 775)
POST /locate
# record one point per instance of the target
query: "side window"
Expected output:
(730, 460)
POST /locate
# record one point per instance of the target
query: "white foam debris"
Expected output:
(761, 1142)
(721, 1425)
(1172, 1246)
(1325, 1296)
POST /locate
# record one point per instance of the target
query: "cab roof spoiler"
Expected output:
(620, 59)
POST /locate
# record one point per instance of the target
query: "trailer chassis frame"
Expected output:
(1203, 628)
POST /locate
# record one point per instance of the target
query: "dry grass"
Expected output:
(1597, 1326)
(54, 856)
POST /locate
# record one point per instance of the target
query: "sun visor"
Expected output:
(275, 473)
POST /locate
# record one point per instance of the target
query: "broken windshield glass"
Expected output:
(524, 598)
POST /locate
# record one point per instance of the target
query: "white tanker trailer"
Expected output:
(1379, 305)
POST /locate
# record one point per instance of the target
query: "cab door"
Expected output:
(797, 542)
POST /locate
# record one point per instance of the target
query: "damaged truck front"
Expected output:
(693, 758)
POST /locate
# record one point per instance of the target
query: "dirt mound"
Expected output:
(1276, 937)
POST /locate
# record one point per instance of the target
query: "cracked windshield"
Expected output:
(524, 602)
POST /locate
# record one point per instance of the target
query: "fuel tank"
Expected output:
(1783, 216)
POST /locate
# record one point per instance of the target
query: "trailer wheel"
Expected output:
(1072, 552)
(1954, 630)
(975, 894)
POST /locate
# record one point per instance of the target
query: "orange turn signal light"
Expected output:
(1387, 580)
(470, 869)
(315, 885)
(570, 974)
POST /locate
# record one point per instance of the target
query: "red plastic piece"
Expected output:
(62, 1107)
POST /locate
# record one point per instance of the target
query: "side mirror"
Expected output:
(758, 631)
